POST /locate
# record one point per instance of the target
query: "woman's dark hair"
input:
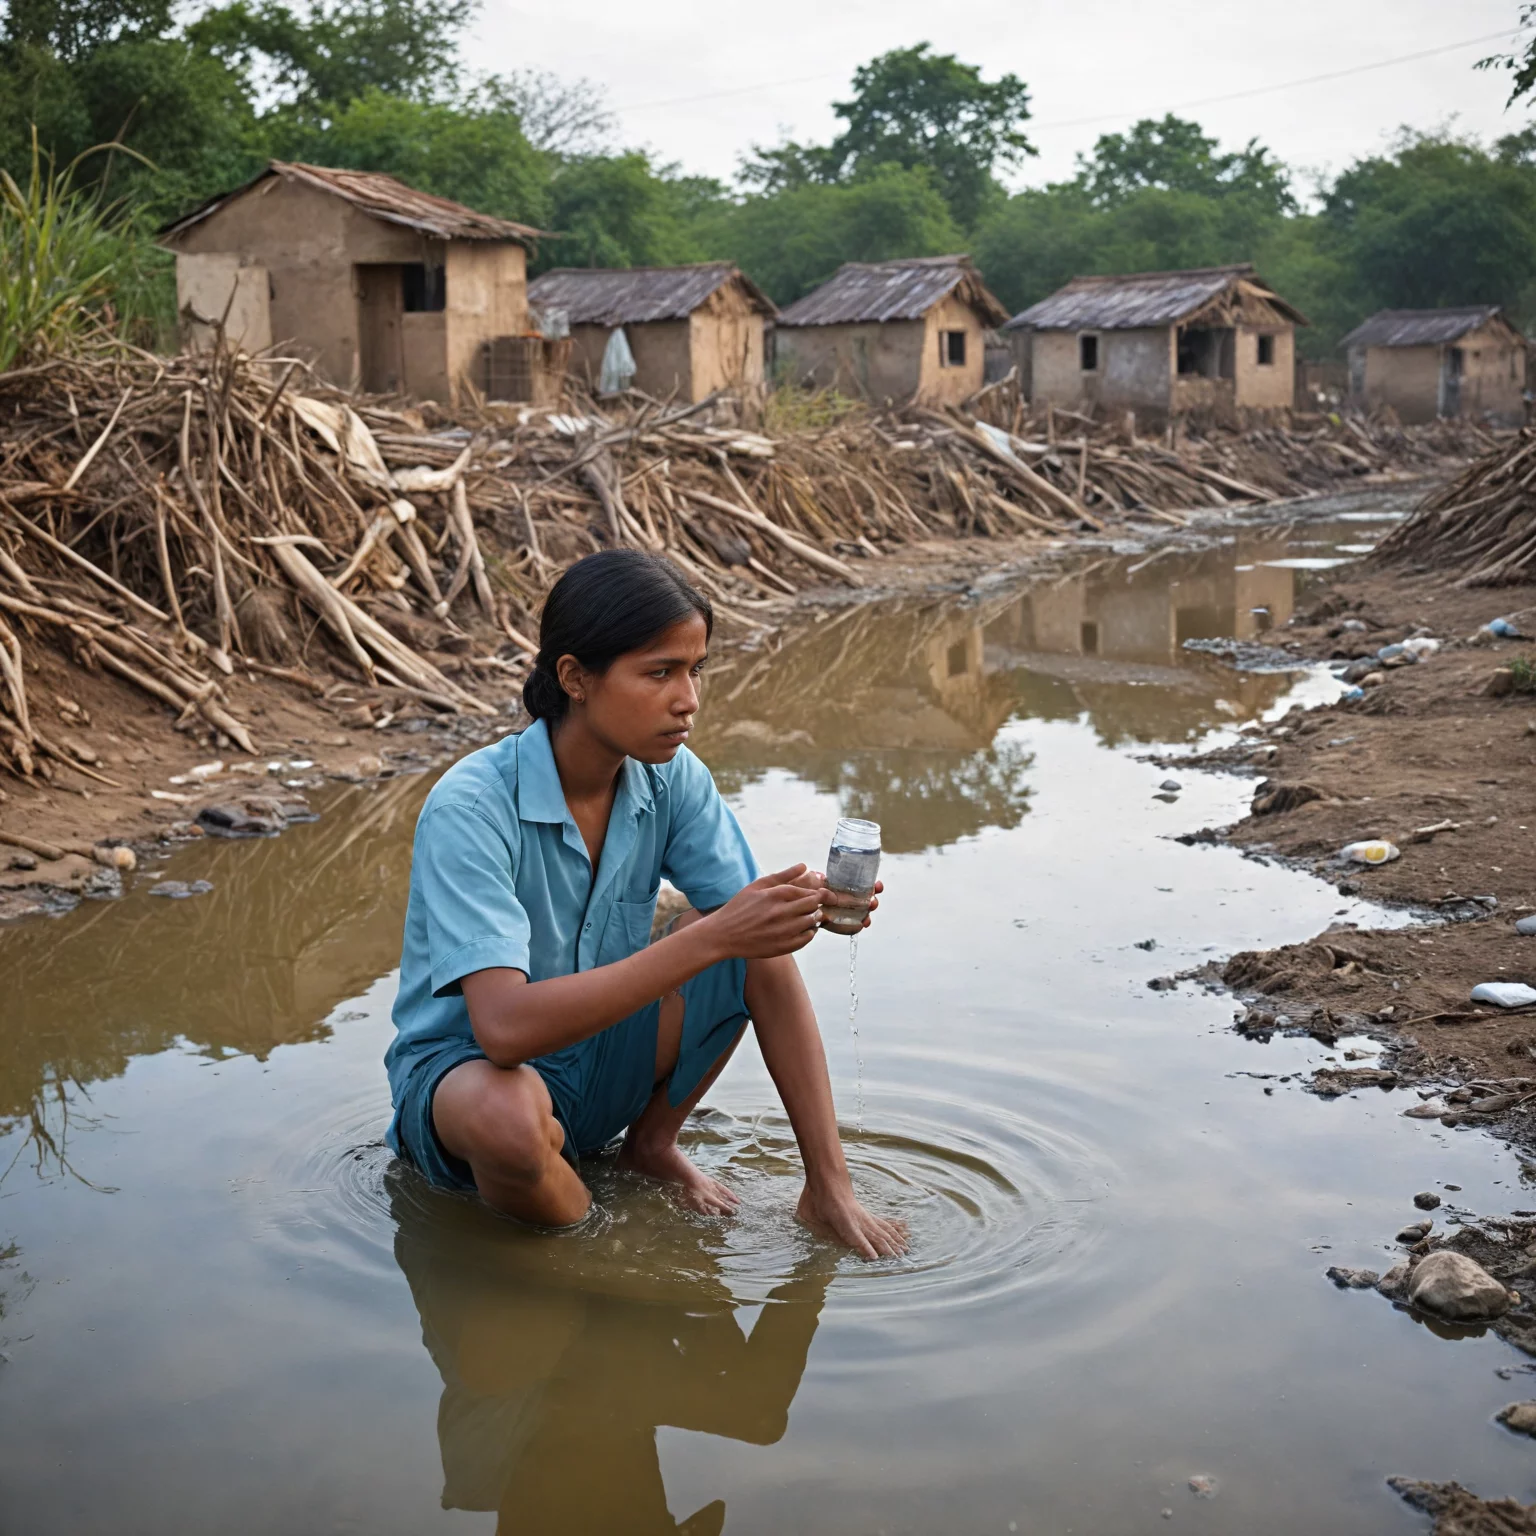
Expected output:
(606, 604)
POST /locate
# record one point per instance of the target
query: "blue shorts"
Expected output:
(598, 1086)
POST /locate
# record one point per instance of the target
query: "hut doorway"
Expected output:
(1452, 367)
(380, 328)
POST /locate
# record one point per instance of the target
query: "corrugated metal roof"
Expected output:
(1421, 327)
(634, 295)
(893, 290)
(384, 197)
(1139, 299)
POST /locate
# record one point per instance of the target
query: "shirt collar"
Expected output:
(539, 795)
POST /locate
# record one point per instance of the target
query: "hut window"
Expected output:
(1088, 353)
(423, 288)
(1266, 351)
(952, 349)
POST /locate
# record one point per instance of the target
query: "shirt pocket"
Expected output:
(628, 930)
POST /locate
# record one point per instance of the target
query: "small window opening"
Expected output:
(1456, 362)
(1266, 351)
(1088, 353)
(952, 349)
(1090, 638)
(423, 289)
(959, 660)
(1206, 352)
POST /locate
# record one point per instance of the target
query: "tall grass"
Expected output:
(73, 269)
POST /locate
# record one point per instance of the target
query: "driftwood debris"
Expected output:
(1482, 524)
(184, 522)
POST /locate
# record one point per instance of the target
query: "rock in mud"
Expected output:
(1273, 799)
(1414, 1232)
(180, 890)
(1353, 1279)
(1170, 786)
(1203, 1487)
(1526, 925)
(22, 861)
(1457, 1511)
(1426, 1200)
(1520, 1417)
(238, 821)
(1457, 1288)
(1430, 1109)
(1395, 1281)
(1331, 1082)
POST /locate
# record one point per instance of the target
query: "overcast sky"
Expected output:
(699, 83)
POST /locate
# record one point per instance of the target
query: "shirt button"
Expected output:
(588, 928)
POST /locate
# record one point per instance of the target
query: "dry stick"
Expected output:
(797, 547)
(94, 571)
(15, 680)
(459, 501)
(63, 755)
(96, 447)
(31, 845)
(229, 626)
(221, 592)
(167, 575)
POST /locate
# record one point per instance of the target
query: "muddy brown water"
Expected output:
(223, 1308)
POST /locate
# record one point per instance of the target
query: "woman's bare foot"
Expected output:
(666, 1162)
(841, 1217)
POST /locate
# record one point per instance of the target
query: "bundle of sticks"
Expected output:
(1483, 523)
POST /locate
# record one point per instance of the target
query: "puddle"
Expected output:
(223, 1308)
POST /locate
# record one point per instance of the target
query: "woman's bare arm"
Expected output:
(515, 1020)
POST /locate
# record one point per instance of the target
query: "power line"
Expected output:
(1084, 122)
(1284, 85)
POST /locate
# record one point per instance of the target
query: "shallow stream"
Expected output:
(224, 1309)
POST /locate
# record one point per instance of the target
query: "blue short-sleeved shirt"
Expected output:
(500, 877)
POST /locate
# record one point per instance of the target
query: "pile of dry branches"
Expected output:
(1483, 523)
(179, 521)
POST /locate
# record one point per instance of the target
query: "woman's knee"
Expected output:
(504, 1123)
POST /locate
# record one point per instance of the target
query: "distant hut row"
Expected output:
(392, 289)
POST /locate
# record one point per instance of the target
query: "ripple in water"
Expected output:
(995, 1202)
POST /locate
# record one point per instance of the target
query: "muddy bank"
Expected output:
(1436, 758)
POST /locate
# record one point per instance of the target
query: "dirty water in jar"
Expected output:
(224, 1307)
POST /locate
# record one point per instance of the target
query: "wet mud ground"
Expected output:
(222, 1307)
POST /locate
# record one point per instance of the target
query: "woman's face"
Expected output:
(644, 704)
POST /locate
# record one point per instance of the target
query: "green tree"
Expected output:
(618, 211)
(1176, 155)
(793, 239)
(74, 29)
(322, 58)
(913, 109)
(467, 150)
(1438, 220)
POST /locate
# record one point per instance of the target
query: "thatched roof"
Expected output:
(376, 194)
(634, 295)
(1142, 299)
(893, 290)
(1425, 327)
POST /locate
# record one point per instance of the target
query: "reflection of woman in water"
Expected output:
(535, 1020)
(550, 1406)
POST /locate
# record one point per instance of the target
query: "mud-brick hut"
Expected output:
(381, 286)
(691, 330)
(1426, 363)
(1160, 343)
(891, 330)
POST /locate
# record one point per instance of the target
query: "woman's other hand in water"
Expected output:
(838, 1215)
(775, 915)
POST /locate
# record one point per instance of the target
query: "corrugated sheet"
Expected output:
(1141, 299)
(1420, 327)
(634, 295)
(860, 292)
(381, 196)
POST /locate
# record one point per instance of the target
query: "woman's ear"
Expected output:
(573, 678)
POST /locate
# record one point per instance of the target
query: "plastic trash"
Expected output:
(1504, 994)
(1526, 925)
(1353, 624)
(618, 364)
(1503, 629)
(1421, 646)
(1396, 653)
(1352, 695)
(1372, 851)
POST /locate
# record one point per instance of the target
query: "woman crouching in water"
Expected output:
(535, 1019)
